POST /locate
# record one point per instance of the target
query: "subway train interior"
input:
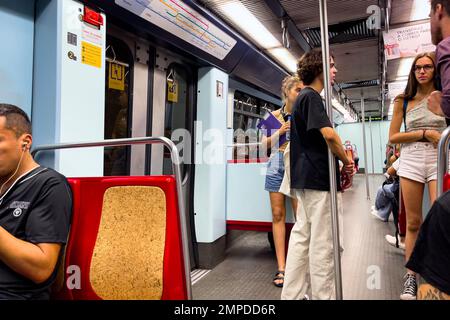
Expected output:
(152, 109)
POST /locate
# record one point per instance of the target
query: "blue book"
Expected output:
(270, 124)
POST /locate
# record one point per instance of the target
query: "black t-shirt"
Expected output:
(431, 255)
(37, 208)
(309, 150)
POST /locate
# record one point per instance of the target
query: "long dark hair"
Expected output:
(411, 87)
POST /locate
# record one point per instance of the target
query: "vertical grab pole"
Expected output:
(442, 160)
(331, 157)
(381, 140)
(371, 143)
(176, 166)
(363, 115)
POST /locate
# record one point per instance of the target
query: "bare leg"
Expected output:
(413, 194)
(432, 188)
(279, 229)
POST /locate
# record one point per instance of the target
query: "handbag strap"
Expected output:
(405, 106)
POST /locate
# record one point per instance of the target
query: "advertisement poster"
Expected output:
(407, 41)
(396, 88)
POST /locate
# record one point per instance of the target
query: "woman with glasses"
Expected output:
(418, 160)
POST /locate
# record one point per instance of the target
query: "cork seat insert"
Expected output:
(127, 261)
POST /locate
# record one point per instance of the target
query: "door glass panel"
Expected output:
(117, 106)
(177, 115)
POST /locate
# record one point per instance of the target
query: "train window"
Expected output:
(248, 111)
(119, 61)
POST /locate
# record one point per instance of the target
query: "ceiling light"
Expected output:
(340, 108)
(249, 24)
(285, 58)
(420, 10)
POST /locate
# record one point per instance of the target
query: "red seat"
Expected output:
(446, 182)
(88, 205)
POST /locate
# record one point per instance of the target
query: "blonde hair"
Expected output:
(287, 85)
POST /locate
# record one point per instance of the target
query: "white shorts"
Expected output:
(418, 162)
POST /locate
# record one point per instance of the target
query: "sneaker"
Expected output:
(409, 287)
(393, 242)
(374, 212)
(306, 297)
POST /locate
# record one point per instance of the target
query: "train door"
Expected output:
(159, 100)
(128, 94)
(118, 105)
(179, 127)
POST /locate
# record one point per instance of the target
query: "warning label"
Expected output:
(172, 91)
(91, 54)
(116, 76)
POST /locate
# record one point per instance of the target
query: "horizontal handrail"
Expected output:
(237, 145)
(106, 143)
(176, 166)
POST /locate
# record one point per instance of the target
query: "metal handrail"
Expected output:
(331, 158)
(251, 144)
(442, 162)
(176, 166)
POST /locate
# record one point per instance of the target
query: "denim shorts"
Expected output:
(275, 172)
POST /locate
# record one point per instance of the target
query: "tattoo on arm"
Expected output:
(428, 292)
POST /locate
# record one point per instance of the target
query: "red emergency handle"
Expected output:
(92, 17)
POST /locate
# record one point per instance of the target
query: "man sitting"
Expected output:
(35, 213)
(431, 255)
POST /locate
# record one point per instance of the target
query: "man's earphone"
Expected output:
(24, 147)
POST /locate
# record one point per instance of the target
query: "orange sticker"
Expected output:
(91, 54)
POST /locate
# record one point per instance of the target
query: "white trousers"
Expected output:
(310, 255)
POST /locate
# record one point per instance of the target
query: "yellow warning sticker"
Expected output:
(172, 91)
(116, 76)
(91, 54)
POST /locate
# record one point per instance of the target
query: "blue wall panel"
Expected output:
(16, 56)
(380, 137)
(210, 156)
(45, 92)
(246, 198)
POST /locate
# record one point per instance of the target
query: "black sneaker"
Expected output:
(409, 288)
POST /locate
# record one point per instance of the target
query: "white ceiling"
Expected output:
(357, 60)
(306, 13)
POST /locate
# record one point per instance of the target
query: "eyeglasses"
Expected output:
(427, 67)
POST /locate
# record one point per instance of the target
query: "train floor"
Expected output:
(371, 268)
